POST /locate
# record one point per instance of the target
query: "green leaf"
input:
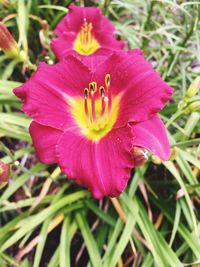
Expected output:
(42, 216)
(122, 243)
(89, 239)
(12, 188)
(65, 241)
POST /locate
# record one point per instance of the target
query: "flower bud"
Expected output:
(8, 43)
(173, 154)
(194, 88)
(45, 25)
(194, 106)
(156, 160)
(139, 155)
(182, 104)
(5, 172)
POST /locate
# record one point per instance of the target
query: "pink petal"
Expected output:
(63, 45)
(74, 20)
(151, 134)
(103, 167)
(44, 95)
(143, 91)
(44, 140)
(107, 40)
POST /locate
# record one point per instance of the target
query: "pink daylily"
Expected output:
(88, 117)
(84, 31)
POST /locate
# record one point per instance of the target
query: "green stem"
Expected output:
(174, 117)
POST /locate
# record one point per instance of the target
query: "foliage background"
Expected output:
(45, 220)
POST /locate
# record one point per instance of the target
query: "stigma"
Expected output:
(85, 42)
(98, 104)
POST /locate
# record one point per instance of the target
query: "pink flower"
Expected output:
(84, 31)
(87, 118)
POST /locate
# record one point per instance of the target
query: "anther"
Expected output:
(107, 83)
(93, 87)
(101, 91)
(107, 80)
(86, 93)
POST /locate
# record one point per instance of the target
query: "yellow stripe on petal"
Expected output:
(85, 43)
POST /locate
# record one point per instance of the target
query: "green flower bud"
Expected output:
(194, 88)
(182, 104)
(194, 106)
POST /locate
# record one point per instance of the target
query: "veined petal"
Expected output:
(63, 45)
(151, 134)
(107, 41)
(84, 30)
(74, 19)
(44, 140)
(103, 167)
(143, 91)
(44, 96)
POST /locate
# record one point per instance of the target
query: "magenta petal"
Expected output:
(108, 41)
(143, 91)
(44, 95)
(63, 45)
(76, 15)
(44, 140)
(103, 167)
(151, 134)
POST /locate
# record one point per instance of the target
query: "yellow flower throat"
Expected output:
(85, 43)
(96, 112)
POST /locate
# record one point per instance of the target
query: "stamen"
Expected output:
(89, 34)
(107, 80)
(98, 109)
(93, 89)
(103, 102)
(86, 95)
(101, 91)
(85, 33)
(107, 83)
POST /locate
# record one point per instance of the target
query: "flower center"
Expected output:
(96, 112)
(85, 43)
